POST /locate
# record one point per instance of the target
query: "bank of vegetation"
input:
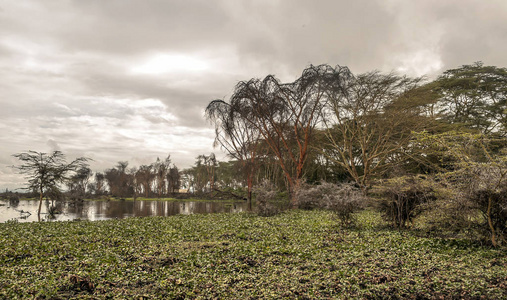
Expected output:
(295, 254)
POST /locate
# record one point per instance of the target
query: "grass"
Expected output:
(298, 254)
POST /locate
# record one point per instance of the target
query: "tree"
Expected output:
(209, 162)
(476, 167)
(238, 137)
(99, 183)
(173, 180)
(371, 121)
(474, 96)
(45, 172)
(119, 181)
(286, 114)
(230, 175)
(161, 168)
(144, 177)
(78, 182)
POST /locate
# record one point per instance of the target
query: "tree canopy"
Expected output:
(46, 172)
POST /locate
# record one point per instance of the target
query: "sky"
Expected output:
(124, 80)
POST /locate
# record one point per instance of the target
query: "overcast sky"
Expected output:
(129, 80)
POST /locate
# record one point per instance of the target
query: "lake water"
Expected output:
(26, 210)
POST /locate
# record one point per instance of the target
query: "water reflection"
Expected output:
(13, 202)
(26, 210)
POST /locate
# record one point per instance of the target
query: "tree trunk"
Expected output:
(296, 184)
(490, 222)
(249, 197)
(249, 200)
(40, 202)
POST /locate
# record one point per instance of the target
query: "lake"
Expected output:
(26, 210)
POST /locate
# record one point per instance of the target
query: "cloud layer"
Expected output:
(129, 80)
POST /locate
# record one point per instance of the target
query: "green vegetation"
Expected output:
(296, 254)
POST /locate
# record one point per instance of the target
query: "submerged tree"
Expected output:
(45, 172)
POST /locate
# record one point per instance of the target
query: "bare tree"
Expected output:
(46, 171)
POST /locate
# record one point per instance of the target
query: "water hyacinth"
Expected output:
(297, 254)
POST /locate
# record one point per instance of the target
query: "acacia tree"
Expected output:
(286, 114)
(45, 172)
(474, 96)
(476, 170)
(173, 179)
(196, 178)
(209, 162)
(78, 182)
(371, 122)
(236, 136)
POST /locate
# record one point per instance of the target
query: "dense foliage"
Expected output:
(297, 254)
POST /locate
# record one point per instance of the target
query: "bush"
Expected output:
(342, 199)
(265, 197)
(403, 198)
(486, 189)
(309, 197)
(450, 213)
(493, 206)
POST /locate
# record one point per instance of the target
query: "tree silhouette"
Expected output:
(45, 172)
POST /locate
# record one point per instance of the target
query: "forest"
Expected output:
(412, 148)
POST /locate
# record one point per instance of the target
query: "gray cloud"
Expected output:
(79, 76)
